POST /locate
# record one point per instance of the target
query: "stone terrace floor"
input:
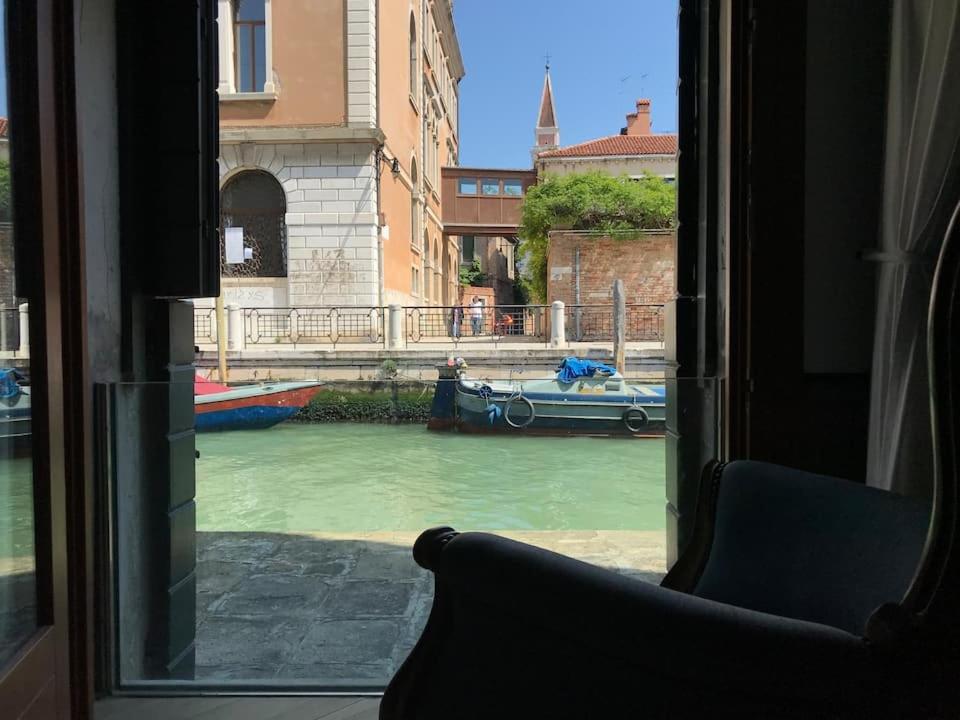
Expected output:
(339, 610)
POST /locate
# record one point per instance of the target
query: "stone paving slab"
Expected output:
(346, 608)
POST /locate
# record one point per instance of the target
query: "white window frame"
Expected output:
(227, 87)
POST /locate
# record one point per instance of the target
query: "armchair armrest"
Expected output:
(508, 615)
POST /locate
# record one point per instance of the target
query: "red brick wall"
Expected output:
(645, 265)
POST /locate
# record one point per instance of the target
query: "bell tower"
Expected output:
(547, 134)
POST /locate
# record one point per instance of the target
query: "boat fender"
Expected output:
(635, 418)
(493, 413)
(523, 423)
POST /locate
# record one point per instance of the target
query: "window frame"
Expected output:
(485, 182)
(512, 181)
(227, 42)
(414, 64)
(250, 28)
(476, 187)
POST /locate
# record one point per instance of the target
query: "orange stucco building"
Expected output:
(335, 118)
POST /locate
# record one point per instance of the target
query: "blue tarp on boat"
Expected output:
(572, 368)
(9, 389)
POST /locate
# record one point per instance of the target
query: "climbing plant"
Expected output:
(604, 204)
(4, 190)
(472, 274)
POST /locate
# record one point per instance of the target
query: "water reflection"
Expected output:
(18, 611)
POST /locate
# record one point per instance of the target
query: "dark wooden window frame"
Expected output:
(251, 27)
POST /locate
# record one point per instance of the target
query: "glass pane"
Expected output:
(244, 68)
(260, 57)
(303, 561)
(467, 186)
(512, 187)
(250, 9)
(18, 596)
(491, 187)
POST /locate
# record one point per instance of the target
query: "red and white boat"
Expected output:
(248, 407)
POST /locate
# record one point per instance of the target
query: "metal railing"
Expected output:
(586, 323)
(645, 323)
(204, 326)
(314, 325)
(396, 327)
(499, 323)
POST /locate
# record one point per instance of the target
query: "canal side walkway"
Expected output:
(345, 362)
(344, 609)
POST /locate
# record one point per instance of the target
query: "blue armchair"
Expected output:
(800, 596)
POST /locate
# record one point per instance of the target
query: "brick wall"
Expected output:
(9, 315)
(6, 266)
(645, 264)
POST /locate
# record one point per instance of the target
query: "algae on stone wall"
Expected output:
(369, 402)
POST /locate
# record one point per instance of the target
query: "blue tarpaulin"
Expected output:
(8, 384)
(572, 368)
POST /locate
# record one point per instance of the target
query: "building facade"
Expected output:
(634, 151)
(8, 299)
(335, 116)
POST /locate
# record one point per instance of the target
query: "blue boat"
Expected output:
(600, 402)
(15, 417)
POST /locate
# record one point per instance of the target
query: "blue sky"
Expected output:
(599, 50)
(3, 60)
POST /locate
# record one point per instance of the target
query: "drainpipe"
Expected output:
(576, 294)
(379, 154)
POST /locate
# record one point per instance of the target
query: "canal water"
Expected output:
(371, 478)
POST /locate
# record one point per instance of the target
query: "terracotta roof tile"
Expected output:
(619, 145)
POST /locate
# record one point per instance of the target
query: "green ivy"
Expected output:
(598, 202)
(5, 190)
(472, 275)
(330, 406)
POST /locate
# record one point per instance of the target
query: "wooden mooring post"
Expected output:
(619, 326)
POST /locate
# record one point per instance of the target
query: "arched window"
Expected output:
(427, 270)
(438, 268)
(414, 203)
(254, 201)
(413, 57)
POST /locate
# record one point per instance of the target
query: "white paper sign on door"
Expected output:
(234, 245)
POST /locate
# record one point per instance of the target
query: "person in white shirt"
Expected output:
(476, 315)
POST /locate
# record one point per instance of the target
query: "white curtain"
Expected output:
(922, 153)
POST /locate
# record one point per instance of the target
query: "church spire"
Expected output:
(547, 135)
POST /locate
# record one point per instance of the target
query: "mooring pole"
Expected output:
(619, 326)
(221, 338)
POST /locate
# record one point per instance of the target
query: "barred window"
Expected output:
(254, 201)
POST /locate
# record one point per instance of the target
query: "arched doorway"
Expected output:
(255, 201)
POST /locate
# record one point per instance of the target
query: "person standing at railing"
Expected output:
(476, 315)
(456, 320)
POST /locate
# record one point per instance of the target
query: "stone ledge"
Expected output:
(341, 133)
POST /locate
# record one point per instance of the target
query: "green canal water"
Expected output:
(369, 478)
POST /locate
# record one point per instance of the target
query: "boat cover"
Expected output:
(8, 384)
(572, 368)
(202, 386)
